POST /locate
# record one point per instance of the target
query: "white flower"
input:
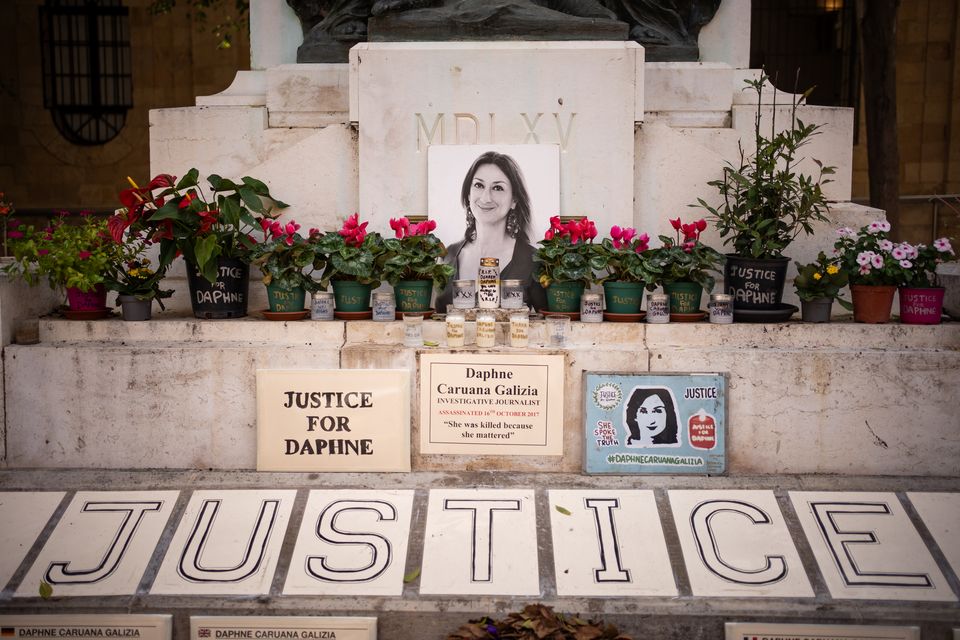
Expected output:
(864, 258)
(943, 245)
(906, 264)
(885, 245)
(877, 261)
(899, 253)
(846, 232)
(874, 227)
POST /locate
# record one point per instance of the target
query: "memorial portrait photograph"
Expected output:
(493, 201)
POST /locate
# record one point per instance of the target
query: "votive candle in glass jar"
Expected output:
(558, 328)
(591, 308)
(486, 329)
(519, 329)
(511, 294)
(412, 330)
(488, 283)
(456, 322)
(321, 306)
(384, 306)
(721, 308)
(658, 308)
(464, 294)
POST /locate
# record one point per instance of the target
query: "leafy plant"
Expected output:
(284, 254)
(349, 254)
(689, 260)
(820, 279)
(69, 253)
(6, 210)
(225, 24)
(537, 622)
(415, 254)
(871, 258)
(564, 253)
(622, 256)
(181, 219)
(767, 203)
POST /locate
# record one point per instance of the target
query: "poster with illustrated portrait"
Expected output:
(655, 423)
(492, 201)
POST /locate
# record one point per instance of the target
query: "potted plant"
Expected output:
(874, 268)
(921, 295)
(411, 262)
(766, 204)
(622, 257)
(683, 267)
(563, 262)
(536, 622)
(6, 210)
(282, 257)
(349, 260)
(214, 236)
(73, 254)
(818, 284)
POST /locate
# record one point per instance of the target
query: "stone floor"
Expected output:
(629, 550)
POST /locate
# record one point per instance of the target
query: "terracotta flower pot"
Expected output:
(872, 303)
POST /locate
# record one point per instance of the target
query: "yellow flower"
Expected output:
(832, 269)
(817, 276)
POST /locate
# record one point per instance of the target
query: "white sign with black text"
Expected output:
(295, 627)
(89, 625)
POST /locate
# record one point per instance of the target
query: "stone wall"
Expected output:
(172, 63)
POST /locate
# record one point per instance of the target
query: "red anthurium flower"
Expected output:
(187, 199)
(162, 180)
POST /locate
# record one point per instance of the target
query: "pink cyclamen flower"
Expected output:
(291, 228)
(701, 225)
(548, 235)
(942, 245)
(289, 240)
(877, 261)
(14, 234)
(616, 232)
(675, 223)
(864, 257)
(400, 227)
(906, 264)
(643, 242)
(689, 246)
(83, 255)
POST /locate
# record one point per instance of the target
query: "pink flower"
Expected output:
(689, 246)
(548, 235)
(292, 228)
(643, 243)
(689, 231)
(877, 261)
(83, 255)
(878, 226)
(864, 258)
(555, 223)
(615, 232)
(906, 264)
(675, 224)
(864, 269)
(14, 234)
(846, 232)
(898, 253)
(885, 245)
(701, 225)
(289, 240)
(400, 226)
(943, 245)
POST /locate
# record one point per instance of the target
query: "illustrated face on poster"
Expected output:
(492, 199)
(655, 423)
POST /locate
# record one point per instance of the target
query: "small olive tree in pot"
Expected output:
(766, 204)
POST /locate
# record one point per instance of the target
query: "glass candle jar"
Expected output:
(321, 306)
(464, 294)
(384, 306)
(721, 308)
(558, 328)
(591, 308)
(658, 308)
(519, 329)
(455, 329)
(412, 330)
(488, 283)
(486, 329)
(511, 294)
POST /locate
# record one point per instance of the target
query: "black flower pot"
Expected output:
(225, 298)
(755, 283)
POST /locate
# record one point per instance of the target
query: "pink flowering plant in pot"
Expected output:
(872, 258)
(686, 258)
(286, 258)
(622, 256)
(350, 254)
(71, 252)
(415, 253)
(565, 253)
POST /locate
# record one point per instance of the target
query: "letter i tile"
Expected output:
(102, 544)
(736, 543)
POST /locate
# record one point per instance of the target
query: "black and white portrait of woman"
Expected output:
(493, 202)
(651, 418)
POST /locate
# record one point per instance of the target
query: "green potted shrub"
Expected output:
(622, 257)
(766, 204)
(75, 254)
(349, 260)
(214, 235)
(412, 264)
(287, 260)
(562, 262)
(818, 284)
(684, 267)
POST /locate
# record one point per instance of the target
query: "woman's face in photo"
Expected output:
(491, 195)
(652, 417)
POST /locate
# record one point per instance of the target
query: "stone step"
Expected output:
(681, 601)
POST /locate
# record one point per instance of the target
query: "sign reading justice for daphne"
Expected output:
(337, 420)
(491, 404)
(655, 423)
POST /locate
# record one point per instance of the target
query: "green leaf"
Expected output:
(230, 210)
(564, 511)
(189, 180)
(413, 575)
(46, 591)
(251, 199)
(205, 249)
(259, 187)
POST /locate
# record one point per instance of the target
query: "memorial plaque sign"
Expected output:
(313, 627)
(769, 631)
(95, 625)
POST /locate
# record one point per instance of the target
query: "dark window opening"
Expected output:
(87, 80)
